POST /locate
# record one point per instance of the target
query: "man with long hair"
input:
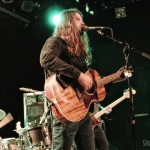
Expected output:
(66, 54)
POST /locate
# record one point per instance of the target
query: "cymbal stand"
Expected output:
(45, 113)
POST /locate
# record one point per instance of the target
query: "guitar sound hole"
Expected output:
(91, 90)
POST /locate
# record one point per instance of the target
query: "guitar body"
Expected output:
(95, 121)
(72, 103)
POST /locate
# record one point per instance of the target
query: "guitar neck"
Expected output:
(100, 113)
(108, 79)
(28, 90)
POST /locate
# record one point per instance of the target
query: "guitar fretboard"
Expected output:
(108, 79)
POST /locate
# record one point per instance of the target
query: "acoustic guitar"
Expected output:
(72, 103)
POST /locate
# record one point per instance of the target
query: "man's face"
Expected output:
(78, 22)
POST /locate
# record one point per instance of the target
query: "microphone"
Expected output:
(86, 28)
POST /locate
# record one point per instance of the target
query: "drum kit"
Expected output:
(32, 137)
(35, 135)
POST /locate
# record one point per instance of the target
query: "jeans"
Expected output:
(63, 134)
(100, 139)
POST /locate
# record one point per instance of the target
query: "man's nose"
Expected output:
(82, 24)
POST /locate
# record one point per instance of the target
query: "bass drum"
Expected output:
(36, 137)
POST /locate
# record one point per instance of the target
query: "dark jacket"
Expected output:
(55, 58)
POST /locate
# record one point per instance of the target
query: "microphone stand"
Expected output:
(126, 51)
(123, 43)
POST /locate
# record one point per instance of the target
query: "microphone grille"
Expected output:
(85, 28)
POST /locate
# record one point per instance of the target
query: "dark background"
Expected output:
(20, 46)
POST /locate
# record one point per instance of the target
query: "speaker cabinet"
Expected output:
(34, 106)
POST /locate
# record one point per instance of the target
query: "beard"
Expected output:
(81, 31)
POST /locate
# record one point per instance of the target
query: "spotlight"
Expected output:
(93, 6)
(27, 6)
(7, 1)
(82, 2)
(120, 12)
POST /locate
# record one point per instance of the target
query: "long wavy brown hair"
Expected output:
(77, 44)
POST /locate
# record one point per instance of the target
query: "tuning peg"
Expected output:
(127, 73)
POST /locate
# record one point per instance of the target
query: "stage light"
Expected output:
(52, 17)
(27, 6)
(120, 12)
(82, 2)
(7, 1)
(56, 19)
(93, 7)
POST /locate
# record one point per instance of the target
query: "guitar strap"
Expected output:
(46, 74)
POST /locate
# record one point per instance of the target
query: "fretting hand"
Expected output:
(122, 77)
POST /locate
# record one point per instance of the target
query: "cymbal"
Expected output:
(5, 139)
(18, 130)
(2, 114)
(8, 118)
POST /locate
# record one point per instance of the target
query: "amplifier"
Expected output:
(34, 106)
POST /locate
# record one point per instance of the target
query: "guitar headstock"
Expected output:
(27, 90)
(128, 72)
(127, 94)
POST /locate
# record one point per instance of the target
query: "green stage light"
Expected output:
(52, 16)
(56, 19)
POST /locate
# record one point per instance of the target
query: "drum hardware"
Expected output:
(37, 133)
(9, 144)
(45, 114)
(36, 136)
(18, 130)
(20, 147)
(5, 146)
